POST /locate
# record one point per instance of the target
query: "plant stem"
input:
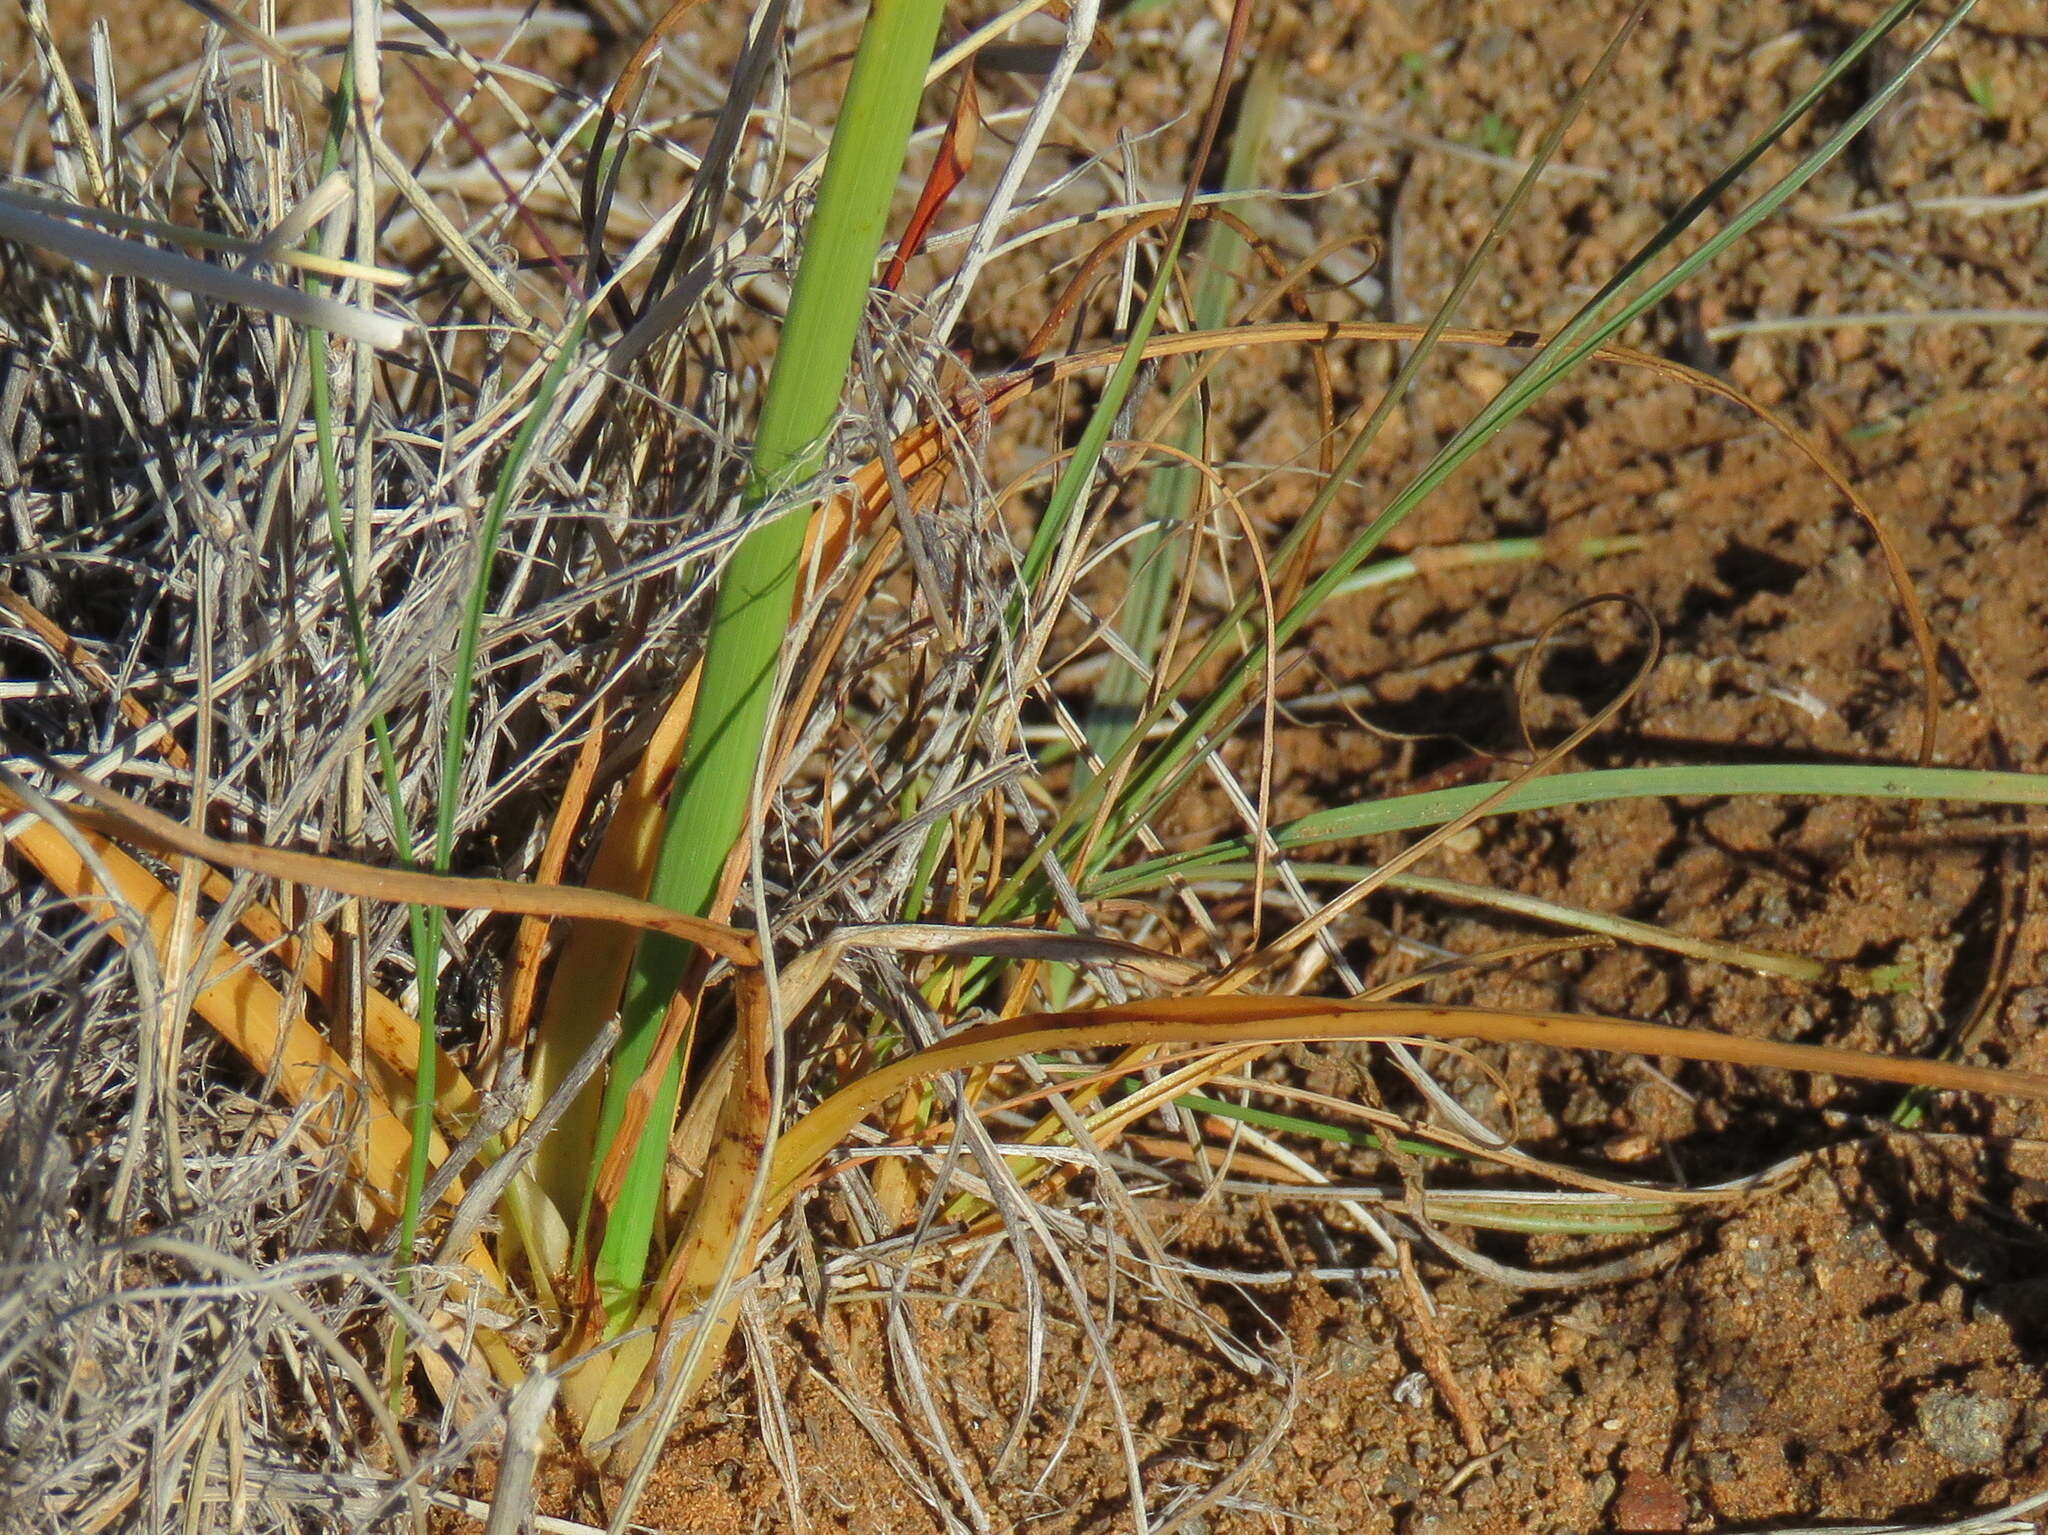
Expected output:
(715, 784)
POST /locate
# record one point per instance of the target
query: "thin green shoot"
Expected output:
(462, 686)
(1170, 494)
(1078, 474)
(1414, 812)
(1492, 551)
(1313, 1129)
(422, 925)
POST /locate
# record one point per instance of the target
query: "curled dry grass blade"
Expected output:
(1277, 1020)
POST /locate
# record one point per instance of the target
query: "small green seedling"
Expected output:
(1415, 68)
(1495, 136)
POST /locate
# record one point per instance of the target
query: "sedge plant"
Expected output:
(752, 1054)
(716, 781)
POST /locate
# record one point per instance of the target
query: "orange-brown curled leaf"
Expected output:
(949, 169)
(1286, 1020)
(116, 816)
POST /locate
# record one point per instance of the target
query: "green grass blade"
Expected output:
(427, 927)
(1314, 1129)
(1491, 551)
(1064, 503)
(715, 783)
(1794, 967)
(1412, 812)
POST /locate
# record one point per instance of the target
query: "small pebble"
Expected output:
(1968, 1427)
(1649, 1503)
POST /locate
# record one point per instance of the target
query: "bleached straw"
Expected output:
(130, 258)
